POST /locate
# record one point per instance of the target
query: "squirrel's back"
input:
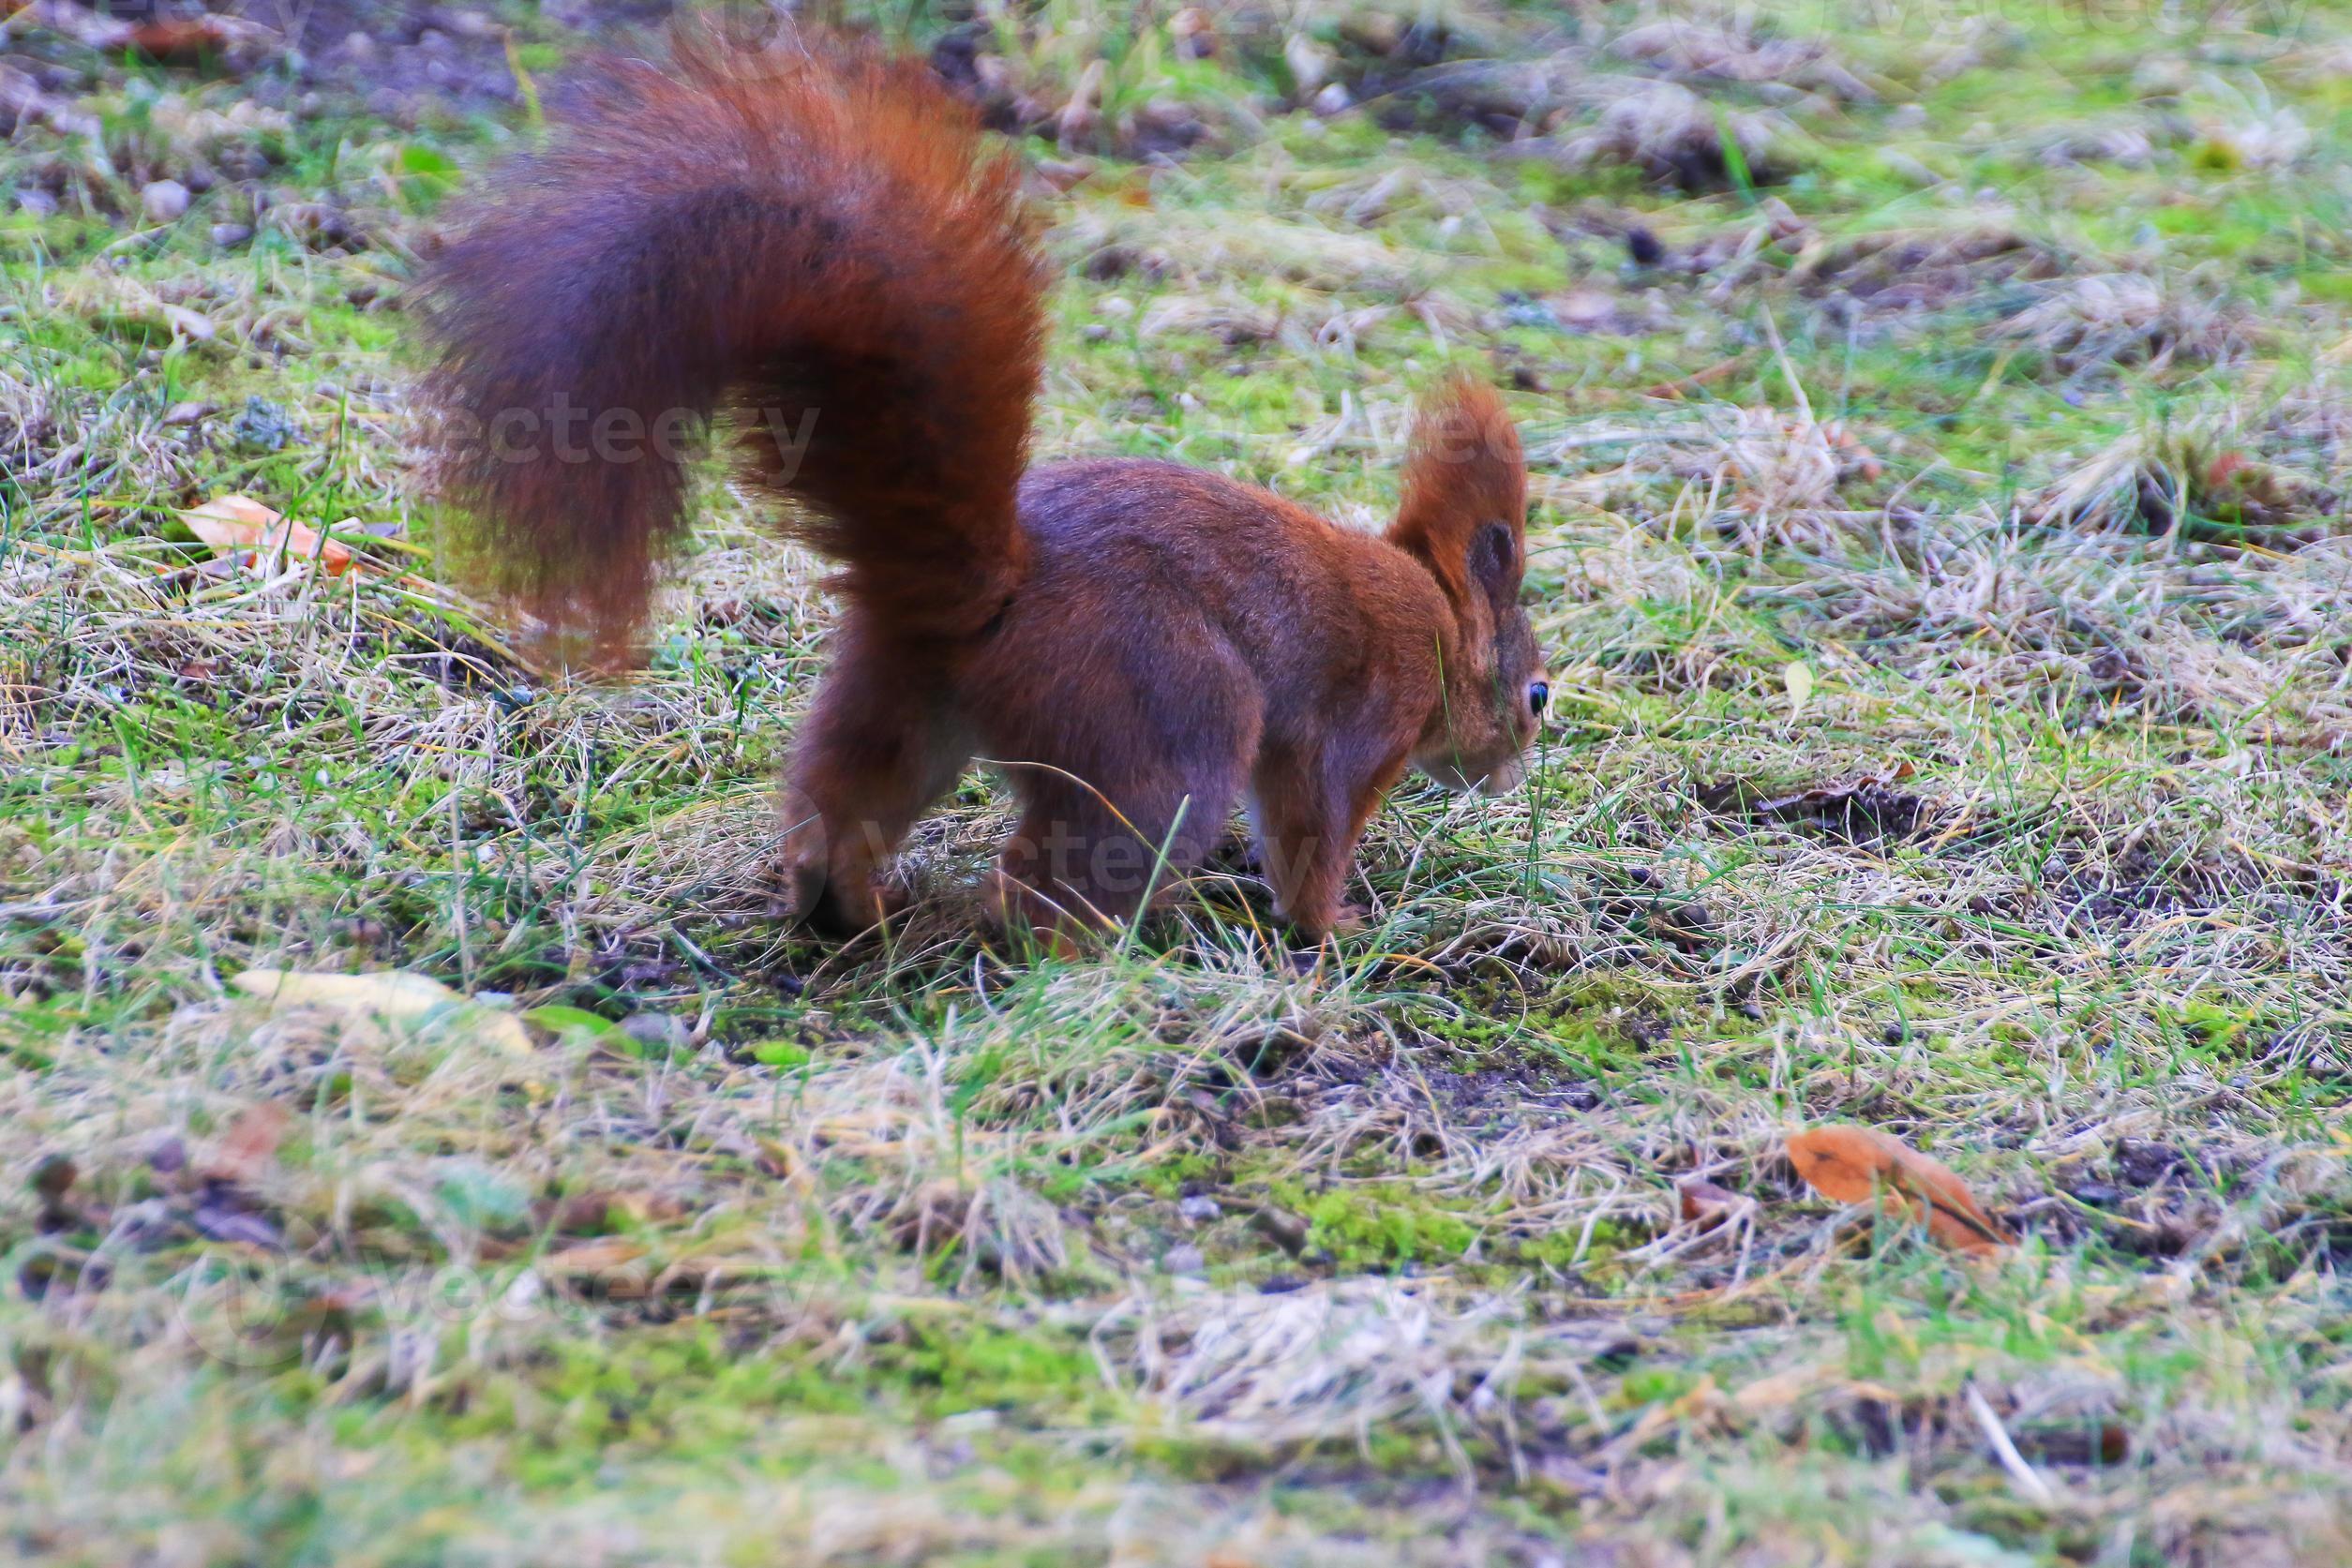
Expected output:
(1321, 615)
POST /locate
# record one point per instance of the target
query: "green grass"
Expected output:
(2003, 393)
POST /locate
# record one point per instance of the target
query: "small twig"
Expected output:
(1696, 379)
(2023, 1476)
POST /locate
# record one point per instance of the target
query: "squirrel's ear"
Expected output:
(1462, 476)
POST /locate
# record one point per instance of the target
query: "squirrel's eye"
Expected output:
(1538, 696)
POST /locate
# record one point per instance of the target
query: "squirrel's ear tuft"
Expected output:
(1463, 473)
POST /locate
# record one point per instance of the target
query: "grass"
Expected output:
(1992, 377)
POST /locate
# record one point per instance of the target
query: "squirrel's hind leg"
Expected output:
(1081, 863)
(880, 745)
(1129, 737)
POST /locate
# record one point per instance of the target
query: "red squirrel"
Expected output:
(814, 242)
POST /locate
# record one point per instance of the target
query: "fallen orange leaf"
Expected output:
(250, 1143)
(191, 39)
(1857, 1164)
(234, 523)
(176, 39)
(1705, 1205)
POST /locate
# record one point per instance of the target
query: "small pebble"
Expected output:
(655, 1028)
(1520, 310)
(1184, 1260)
(1283, 1229)
(39, 202)
(54, 1176)
(264, 426)
(227, 236)
(164, 201)
(1199, 1210)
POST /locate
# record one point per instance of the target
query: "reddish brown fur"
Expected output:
(771, 233)
(1137, 646)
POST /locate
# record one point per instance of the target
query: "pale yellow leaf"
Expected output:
(189, 323)
(393, 997)
(1799, 676)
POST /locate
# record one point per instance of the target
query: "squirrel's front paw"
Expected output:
(841, 909)
(1346, 919)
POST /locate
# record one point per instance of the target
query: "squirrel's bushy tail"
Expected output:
(810, 240)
